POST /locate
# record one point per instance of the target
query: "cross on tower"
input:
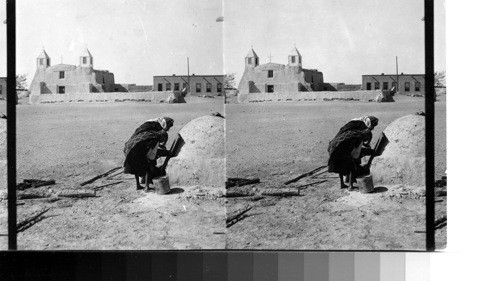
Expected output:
(270, 58)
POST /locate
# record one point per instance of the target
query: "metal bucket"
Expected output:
(365, 184)
(162, 186)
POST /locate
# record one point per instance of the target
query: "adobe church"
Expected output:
(274, 77)
(65, 78)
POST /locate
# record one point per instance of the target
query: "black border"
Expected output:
(11, 123)
(430, 98)
(429, 132)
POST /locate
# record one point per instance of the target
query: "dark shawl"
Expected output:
(152, 126)
(340, 149)
(357, 125)
(136, 149)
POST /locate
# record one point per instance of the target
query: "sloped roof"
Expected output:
(43, 55)
(252, 54)
(86, 53)
(295, 52)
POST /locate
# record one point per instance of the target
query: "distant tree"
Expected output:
(440, 78)
(21, 83)
(229, 81)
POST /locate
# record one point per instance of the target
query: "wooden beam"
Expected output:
(77, 193)
(238, 214)
(114, 175)
(100, 176)
(238, 193)
(304, 175)
(31, 218)
(309, 184)
(281, 192)
(240, 182)
(33, 194)
(28, 183)
(105, 185)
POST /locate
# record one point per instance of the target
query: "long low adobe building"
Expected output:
(196, 85)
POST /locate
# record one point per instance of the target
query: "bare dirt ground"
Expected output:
(72, 143)
(279, 141)
(273, 141)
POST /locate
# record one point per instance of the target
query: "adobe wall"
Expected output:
(104, 79)
(278, 87)
(140, 88)
(76, 80)
(314, 78)
(132, 88)
(390, 79)
(194, 80)
(158, 97)
(285, 78)
(365, 96)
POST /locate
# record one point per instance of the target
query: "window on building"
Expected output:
(40, 61)
(103, 80)
(394, 85)
(219, 87)
(61, 74)
(61, 89)
(90, 60)
(385, 86)
(312, 79)
(168, 87)
(407, 86)
(198, 87)
(300, 60)
(293, 59)
(256, 61)
(417, 86)
(249, 60)
(377, 85)
(176, 86)
(368, 85)
(160, 86)
(270, 89)
(84, 60)
(209, 87)
(269, 74)
(0, 89)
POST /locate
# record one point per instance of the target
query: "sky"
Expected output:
(139, 39)
(342, 38)
(133, 39)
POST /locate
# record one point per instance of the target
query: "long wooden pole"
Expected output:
(397, 75)
(304, 175)
(189, 80)
(100, 176)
